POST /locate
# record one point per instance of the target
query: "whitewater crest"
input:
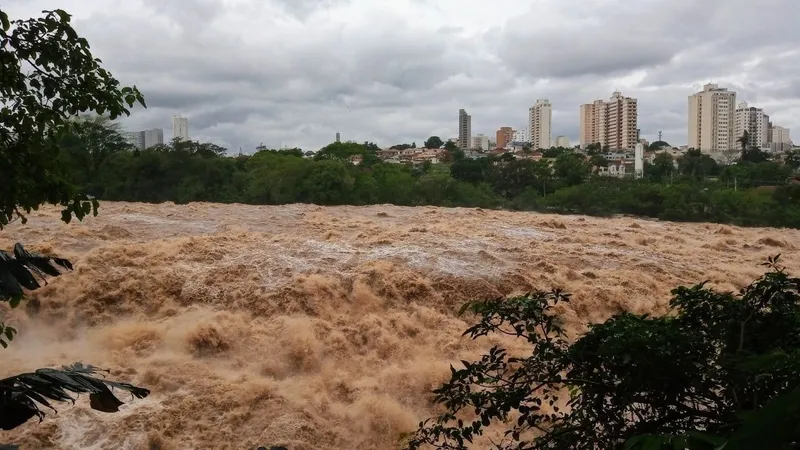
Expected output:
(310, 327)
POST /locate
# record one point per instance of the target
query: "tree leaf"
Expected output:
(15, 300)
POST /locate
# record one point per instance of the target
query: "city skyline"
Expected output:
(354, 67)
(613, 123)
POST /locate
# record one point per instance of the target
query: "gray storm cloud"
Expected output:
(294, 72)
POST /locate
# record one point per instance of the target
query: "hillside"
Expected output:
(319, 327)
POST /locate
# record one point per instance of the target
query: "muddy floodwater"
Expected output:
(320, 327)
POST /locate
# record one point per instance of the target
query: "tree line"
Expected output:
(694, 187)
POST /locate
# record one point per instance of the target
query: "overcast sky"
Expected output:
(293, 72)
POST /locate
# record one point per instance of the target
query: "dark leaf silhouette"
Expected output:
(26, 395)
(20, 269)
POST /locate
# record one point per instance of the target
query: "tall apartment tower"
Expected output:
(180, 128)
(712, 116)
(751, 119)
(480, 142)
(464, 130)
(136, 139)
(613, 123)
(540, 119)
(504, 137)
(153, 137)
(770, 132)
(520, 136)
(781, 141)
(145, 139)
(781, 134)
(593, 124)
(622, 122)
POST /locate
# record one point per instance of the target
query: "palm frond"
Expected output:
(19, 270)
(24, 396)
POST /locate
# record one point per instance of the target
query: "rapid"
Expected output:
(320, 327)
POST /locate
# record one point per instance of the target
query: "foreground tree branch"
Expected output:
(25, 395)
(695, 380)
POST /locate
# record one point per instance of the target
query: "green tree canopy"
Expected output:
(86, 146)
(662, 168)
(593, 148)
(792, 159)
(434, 142)
(471, 170)
(572, 168)
(47, 75)
(343, 150)
(598, 160)
(554, 152)
(695, 164)
(657, 145)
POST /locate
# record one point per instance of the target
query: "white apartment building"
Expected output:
(464, 129)
(712, 116)
(135, 138)
(520, 136)
(153, 137)
(613, 123)
(180, 128)
(754, 122)
(781, 141)
(562, 141)
(540, 119)
(781, 134)
(480, 142)
(145, 139)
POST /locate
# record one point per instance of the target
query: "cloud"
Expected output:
(294, 72)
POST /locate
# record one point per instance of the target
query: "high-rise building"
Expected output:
(520, 136)
(504, 137)
(180, 128)
(593, 123)
(153, 137)
(613, 123)
(712, 117)
(338, 137)
(145, 139)
(769, 130)
(464, 129)
(622, 122)
(781, 134)
(135, 138)
(781, 141)
(480, 142)
(540, 118)
(751, 120)
(562, 141)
